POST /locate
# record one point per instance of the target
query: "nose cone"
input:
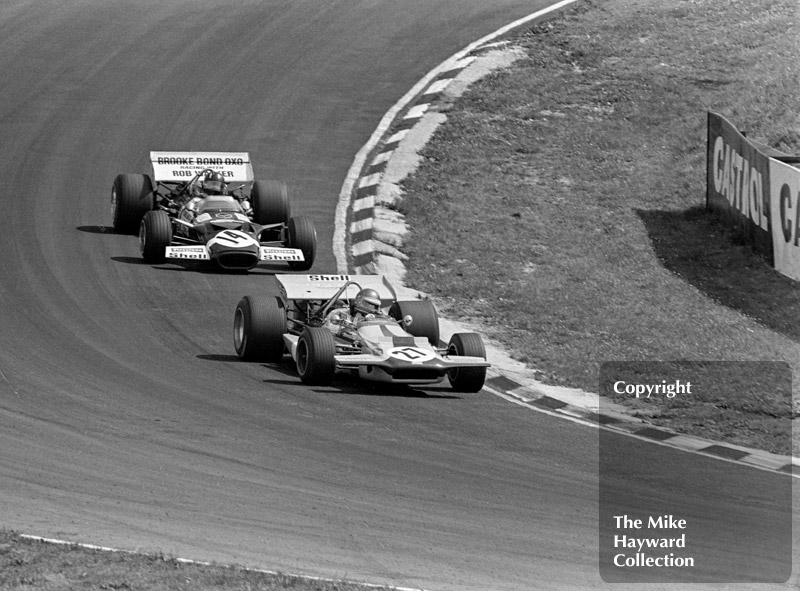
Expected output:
(232, 249)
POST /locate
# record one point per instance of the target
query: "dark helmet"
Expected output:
(367, 301)
(214, 183)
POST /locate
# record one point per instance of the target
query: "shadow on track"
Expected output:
(343, 384)
(176, 265)
(129, 260)
(221, 358)
(98, 230)
(354, 387)
(203, 267)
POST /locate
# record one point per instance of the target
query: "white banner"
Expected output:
(271, 253)
(785, 213)
(318, 287)
(198, 253)
(183, 166)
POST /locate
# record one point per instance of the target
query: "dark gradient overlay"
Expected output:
(707, 524)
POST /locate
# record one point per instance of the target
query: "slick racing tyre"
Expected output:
(418, 319)
(270, 202)
(316, 362)
(131, 198)
(302, 235)
(467, 379)
(259, 324)
(155, 235)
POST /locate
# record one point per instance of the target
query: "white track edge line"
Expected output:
(598, 426)
(204, 563)
(340, 217)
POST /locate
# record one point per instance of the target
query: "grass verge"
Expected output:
(562, 203)
(30, 564)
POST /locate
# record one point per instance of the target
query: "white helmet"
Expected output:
(367, 301)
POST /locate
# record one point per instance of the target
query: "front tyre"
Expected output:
(316, 361)
(131, 198)
(466, 379)
(155, 235)
(259, 324)
(418, 319)
(270, 202)
(302, 235)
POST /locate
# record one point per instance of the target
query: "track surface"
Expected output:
(125, 419)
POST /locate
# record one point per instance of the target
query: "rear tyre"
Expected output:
(424, 322)
(131, 198)
(467, 379)
(303, 235)
(155, 235)
(316, 361)
(259, 324)
(270, 202)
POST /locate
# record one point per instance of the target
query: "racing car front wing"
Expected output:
(398, 365)
(200, 252)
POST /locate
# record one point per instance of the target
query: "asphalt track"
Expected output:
(125, 419)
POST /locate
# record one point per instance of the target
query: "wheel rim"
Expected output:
(302, 357)
(142, 237)
(114, 203)
(453, 373)
(239, 337)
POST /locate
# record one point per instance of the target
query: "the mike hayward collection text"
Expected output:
(640, 550)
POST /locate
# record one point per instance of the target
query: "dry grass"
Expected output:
(562, 204)
(28, 564)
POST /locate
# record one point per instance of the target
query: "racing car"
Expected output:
(327, 324)
(178, 215)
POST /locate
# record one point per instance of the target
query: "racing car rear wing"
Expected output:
(322, 287)
(178, 167)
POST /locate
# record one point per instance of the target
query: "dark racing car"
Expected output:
(185, 212)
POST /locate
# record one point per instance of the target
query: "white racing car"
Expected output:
(185, 212)
(330, 323)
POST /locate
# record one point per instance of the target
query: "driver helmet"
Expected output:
(367, 301)
(214, 183)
